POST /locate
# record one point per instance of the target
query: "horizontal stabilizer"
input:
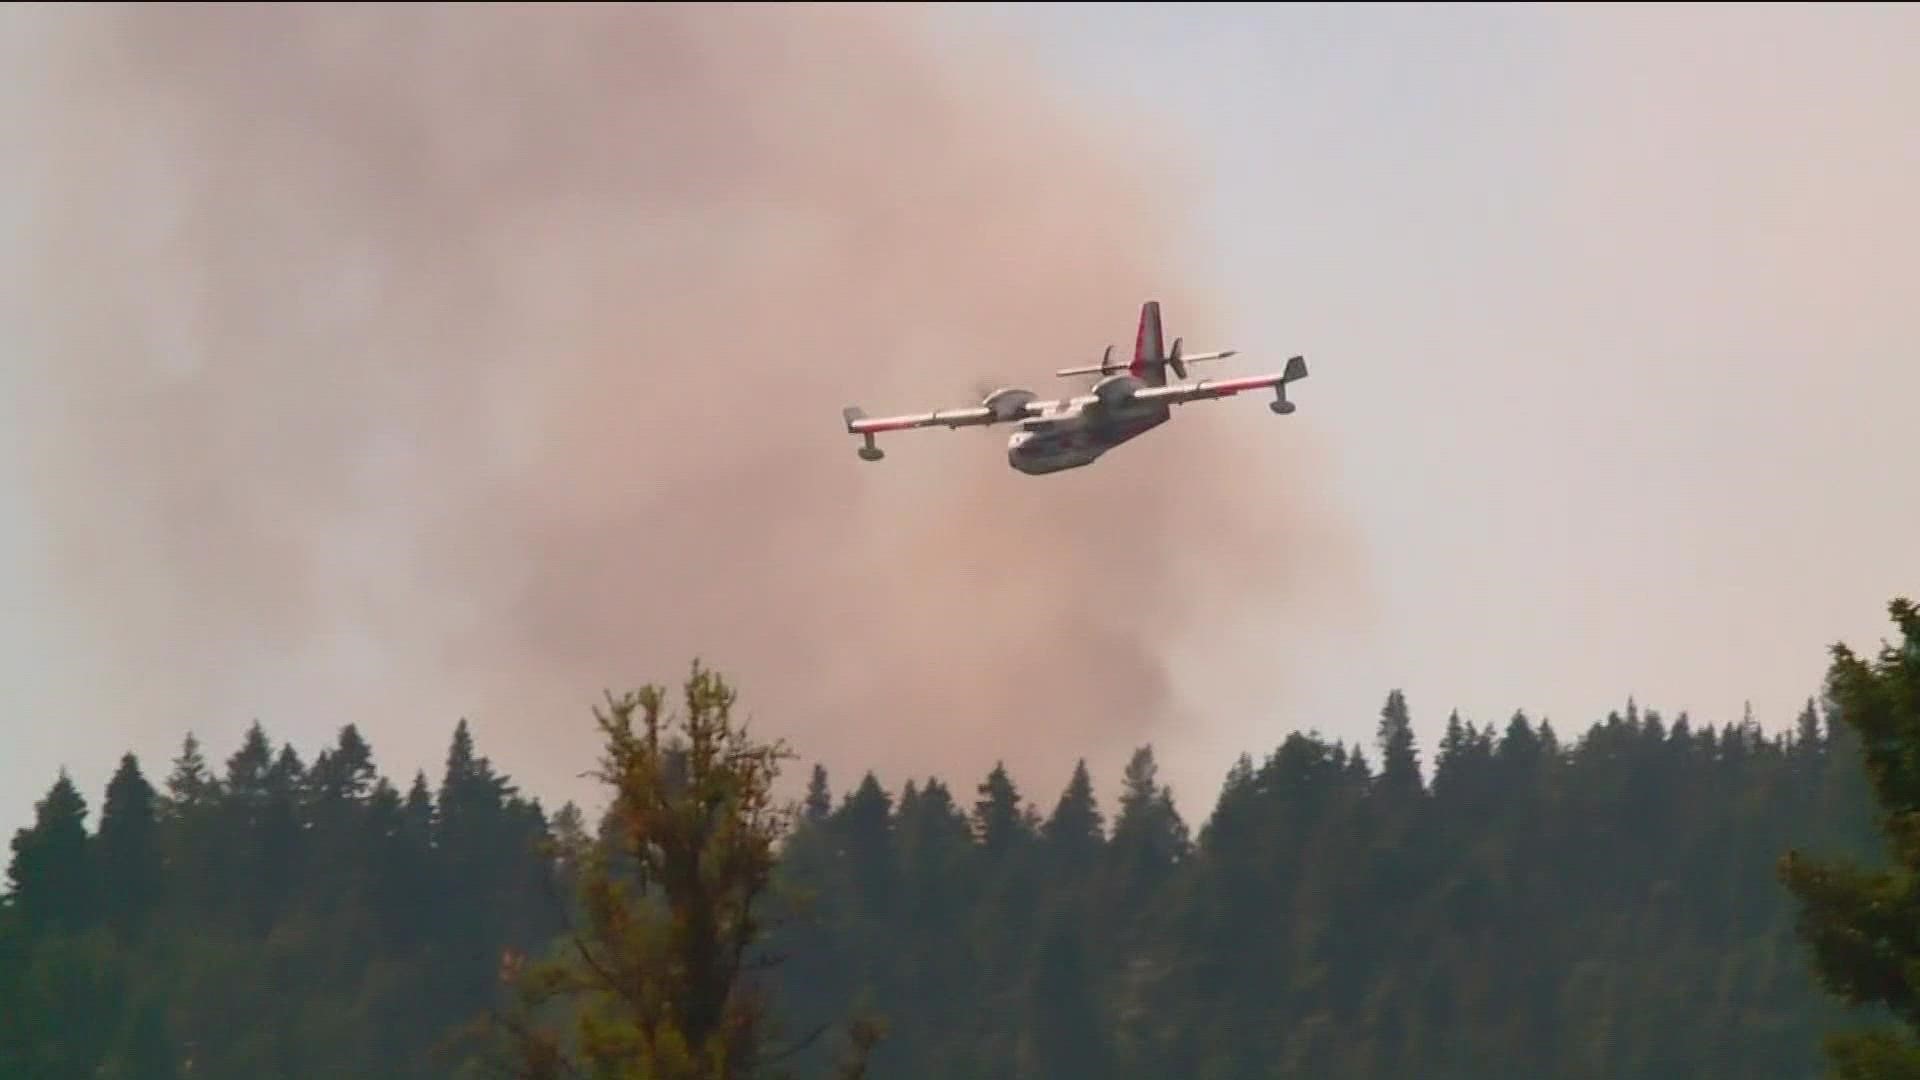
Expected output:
(1110, 368)
(1106, 366)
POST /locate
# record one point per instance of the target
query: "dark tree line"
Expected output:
(267, 917)
(1522, 905)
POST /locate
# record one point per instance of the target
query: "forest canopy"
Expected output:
(1513, 900)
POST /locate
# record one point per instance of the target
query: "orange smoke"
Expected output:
(405, 363)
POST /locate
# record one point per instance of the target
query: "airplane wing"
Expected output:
(1209, 389)
(859, 423)
(1002, 408)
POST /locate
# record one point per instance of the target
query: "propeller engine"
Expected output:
(1007, 402)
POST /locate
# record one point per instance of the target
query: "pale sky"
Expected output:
(1610, 321)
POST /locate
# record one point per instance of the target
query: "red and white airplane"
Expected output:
(1125, 403)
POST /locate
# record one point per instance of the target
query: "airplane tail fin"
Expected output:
(1151, 357)
(1149, 349)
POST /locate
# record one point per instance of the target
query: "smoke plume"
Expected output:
(407, 363)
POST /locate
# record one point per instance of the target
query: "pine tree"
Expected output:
(345, 773)
(1399, 755)
(128, 848)
(1863, 925)
(197, 856)
(819, 801)
(190, 785)
(247, 768)
(419, 812)
(494, 845)
(1075, 833)
(1358, 770)
(864, 824)
(997, 820)
(1449, 763)
(1149, 837)
(51, 879)
(1808, 738)
(1520, 748)
(282, 835)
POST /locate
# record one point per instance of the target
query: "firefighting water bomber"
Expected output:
(1124, 403)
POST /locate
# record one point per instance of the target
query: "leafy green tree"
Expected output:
(1863, 923)
(661, 975)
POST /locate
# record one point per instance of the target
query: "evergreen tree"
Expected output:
(1399, 755)
(1863, 925)
(864, 825)
(997, 820)
(247, 769)
(281, 835)
(1590, 908)
(1149, 837)
(50, 876)
(1808, 737)
(198, 858)
(1075, 833)
(419, 813)
(819, 802)
(190, 785)
(128, 848)
(343, 776)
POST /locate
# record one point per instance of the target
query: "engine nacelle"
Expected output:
(1115, 390)
(1007, 402)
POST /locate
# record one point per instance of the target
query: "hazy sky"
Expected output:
(1610, 321)
(1611, 326)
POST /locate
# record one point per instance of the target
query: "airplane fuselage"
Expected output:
(1056, 444)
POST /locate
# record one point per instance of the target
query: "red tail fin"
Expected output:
(1149, 350)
